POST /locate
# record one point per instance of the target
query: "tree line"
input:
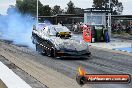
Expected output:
(29, 6)
(116, 6)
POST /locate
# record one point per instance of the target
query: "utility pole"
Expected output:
(37, 13)
(109, 19)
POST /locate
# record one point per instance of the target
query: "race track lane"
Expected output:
(101, 62)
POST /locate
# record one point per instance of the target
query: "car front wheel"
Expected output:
(53, 53)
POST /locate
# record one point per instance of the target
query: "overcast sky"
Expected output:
(4, 4)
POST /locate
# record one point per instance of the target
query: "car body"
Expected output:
(57, 41)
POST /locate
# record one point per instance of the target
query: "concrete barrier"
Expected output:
(8, 79)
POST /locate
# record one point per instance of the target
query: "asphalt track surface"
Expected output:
(101, 62)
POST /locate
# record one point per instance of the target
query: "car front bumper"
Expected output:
(80, 54)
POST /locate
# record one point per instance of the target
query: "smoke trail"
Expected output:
(17, 28)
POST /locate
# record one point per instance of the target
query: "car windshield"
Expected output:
(62, 29)
(54, 30)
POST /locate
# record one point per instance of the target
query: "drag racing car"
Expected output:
(58, 41)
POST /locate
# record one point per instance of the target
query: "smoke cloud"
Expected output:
(17, 28)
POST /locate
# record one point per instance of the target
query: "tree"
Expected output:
(79, 11)
(99, 3)
(46, 10)
(116, 6)
(119, 8)
(30, 7)
(56, 10)
(71, 8)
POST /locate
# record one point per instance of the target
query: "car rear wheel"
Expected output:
(39, 49)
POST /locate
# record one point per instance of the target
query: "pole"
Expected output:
(110, 26)
(37, 12)
(109, 19)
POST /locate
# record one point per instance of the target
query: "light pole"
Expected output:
(109, 19)
(37, 13)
